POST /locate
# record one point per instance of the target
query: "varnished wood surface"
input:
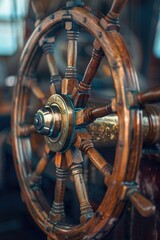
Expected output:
(149, 181)
(129, 142)
(123, 144)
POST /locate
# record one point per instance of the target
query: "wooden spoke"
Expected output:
(48, 45)
(85, 144)
(70, 80)
(111, 20)
(82, 92)
(73, 155)
(55, 84)
(38, 93)
(41, 166)
(149, 97)
(57, 211)
(91, 114)
(100, 163)
(74, 160)
(140, 99)
(26, 130)
(85, 207)
(143, 205)
(117, 6)
(41, 9)
(62, 132)
(27, 95)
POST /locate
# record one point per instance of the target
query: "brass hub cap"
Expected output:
(56, 121)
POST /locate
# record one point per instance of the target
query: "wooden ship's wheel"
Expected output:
(63, 117)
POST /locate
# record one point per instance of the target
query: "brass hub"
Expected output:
(56, 121)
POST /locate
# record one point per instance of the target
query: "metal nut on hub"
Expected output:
(56, 121)
(47, 121)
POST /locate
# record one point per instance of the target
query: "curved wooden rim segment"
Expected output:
(127, 150)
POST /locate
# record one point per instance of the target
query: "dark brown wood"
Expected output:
(144, 206)
(111, 201)
(117, 6)
(85, 207)
(149, 97)
(82, 92)
(92, 114)
(73, 156)
(57, 211)
(74, 161)
(129, 140)
(37, 91)
(41, 9)
(130, 190)
(41, 166)
(48, 45)
(86, 145)
(70, 80)
(26, 130)
(111, 21)
(148, 180)
(88, 115)
(101, 164)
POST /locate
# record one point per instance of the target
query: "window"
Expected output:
(156, 49)
(12, 13)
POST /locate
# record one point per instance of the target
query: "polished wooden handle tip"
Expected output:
(143, 205)
(41, 8)
(149, 97)
(117, 6)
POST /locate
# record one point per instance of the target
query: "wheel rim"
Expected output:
(129, 138)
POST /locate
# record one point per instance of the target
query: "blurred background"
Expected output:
(140, 27)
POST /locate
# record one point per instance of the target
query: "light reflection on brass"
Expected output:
(104, 131)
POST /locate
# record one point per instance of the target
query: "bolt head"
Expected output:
(38, 122)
